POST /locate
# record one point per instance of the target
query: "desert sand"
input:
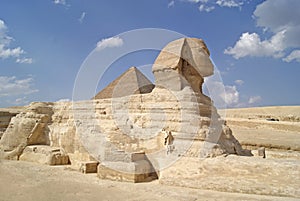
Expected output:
(29, 181)
(275, 177)
(254, 126)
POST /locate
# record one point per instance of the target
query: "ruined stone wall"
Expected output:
(28, 127)
(62, 133)
(5, 116)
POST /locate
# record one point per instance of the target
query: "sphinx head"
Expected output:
(183, 62)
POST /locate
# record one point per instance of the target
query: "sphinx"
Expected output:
(121, 127)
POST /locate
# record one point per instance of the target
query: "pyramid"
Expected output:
(130, 82)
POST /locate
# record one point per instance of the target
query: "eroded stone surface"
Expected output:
(45, 155)
(27, 128)
(109, 130)
(5, 116)
(183, 62)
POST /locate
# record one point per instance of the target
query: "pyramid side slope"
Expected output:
(145, 85)
(130, 82)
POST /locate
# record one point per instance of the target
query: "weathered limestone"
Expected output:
(89, 167)
(63, 134)
(130, 167)
(13, 154)
(121, 128)
(27, 137)
(5, 116)
(45, 155)
(27, 128)
(262, 152)
(183, 62)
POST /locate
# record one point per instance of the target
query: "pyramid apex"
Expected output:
(132, 81)
(133, 67)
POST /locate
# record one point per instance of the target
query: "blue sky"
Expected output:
(254, 44)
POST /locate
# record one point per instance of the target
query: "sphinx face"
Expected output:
(192, 77)
(183, 62)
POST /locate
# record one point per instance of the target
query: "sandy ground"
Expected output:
(29, 181)
(251, 126)
(281, 112)
(269, 138)
(251, 175)
(224, 178)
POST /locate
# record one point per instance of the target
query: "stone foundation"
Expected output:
(129, 167)
(45, 155)
(88, 167)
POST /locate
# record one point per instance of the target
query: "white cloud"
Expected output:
(62, 2)
(252, 45)
(231, 95)
(294, 55)
(239, 82)
(209, 5)
(2, 25)
(225, 96)
(64, 100)
(109, 43)
(222, 96)
(82, 16)
(229, 3)
(171, 4)
(21, 101)
(4, 38)
(11, 86)
(277, 15)
(196, 1)
(24, 60)
(193, 1)
(254, 99)
(203, 7)
(5, 50)
(281, 19)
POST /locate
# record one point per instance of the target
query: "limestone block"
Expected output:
(262, 152)
(138, 171)
(168, 79)
(115, 155)
(88, 167)
(45, 155)
(57, 158)
(29, 127)
(5, 116)
(210, 150)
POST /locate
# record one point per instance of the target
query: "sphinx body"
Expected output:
(113, 128)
